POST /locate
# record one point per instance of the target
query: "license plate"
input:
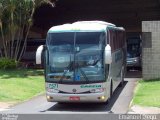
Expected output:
(74, 98)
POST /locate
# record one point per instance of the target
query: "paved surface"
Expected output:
(119, 103)
(136, 109)
(133, 73)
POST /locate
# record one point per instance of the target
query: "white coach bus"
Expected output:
(83, 61)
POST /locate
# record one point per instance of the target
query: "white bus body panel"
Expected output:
(116, 68)
(52, 90)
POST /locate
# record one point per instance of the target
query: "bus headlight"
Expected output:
(135, 60)
(49, 98)
(102, 98)
(99, 90)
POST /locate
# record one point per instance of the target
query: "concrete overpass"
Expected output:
(126, 13)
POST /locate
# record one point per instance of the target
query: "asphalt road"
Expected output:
(119, 103)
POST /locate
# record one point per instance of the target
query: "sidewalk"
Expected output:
(136, 109)
(5, 106)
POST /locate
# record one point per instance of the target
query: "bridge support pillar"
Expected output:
(151, 49)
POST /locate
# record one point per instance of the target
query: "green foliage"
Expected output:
(6, 63)
(20, 84)
(16, 19)
(147, 93)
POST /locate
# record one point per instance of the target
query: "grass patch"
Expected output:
(147, 93)
(20, 85)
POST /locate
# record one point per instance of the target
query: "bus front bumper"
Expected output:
(93, 97)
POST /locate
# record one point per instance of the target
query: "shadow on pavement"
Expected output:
(134, 74)
(88, 107)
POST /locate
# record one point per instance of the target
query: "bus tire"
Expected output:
(111, 90)
(61, 103)
(122, 78)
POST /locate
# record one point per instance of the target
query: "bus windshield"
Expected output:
(76, 56)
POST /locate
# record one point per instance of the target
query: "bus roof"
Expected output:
(82, 26)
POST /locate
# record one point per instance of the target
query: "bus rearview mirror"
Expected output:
(39, 54)
(108, 55)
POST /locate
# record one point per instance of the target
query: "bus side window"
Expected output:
(121, 39)
(118, 39)
(112, 40)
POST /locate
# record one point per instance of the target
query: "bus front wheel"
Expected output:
(122, 78)
(111, 89)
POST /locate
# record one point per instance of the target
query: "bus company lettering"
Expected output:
(91, 86)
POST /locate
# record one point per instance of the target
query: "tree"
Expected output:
(16, 19)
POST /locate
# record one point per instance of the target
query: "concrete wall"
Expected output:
(151, 49)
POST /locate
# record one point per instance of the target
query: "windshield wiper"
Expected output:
(83, 73)
(63, 76)
(65, 72)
